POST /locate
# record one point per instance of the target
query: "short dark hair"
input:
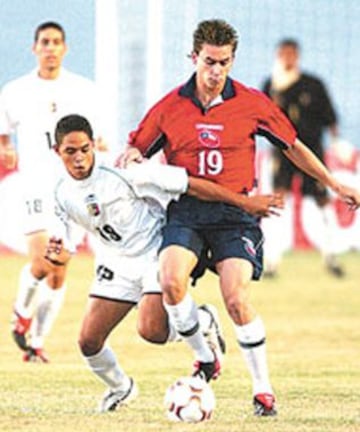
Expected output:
(72, 123)
(46, 25)
(214, 32)
(289, 42)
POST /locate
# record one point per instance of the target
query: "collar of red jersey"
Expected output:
(188, 89)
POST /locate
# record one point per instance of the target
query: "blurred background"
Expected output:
(136, 50)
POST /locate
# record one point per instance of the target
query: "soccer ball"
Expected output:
(189, 399)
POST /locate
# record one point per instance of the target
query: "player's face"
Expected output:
(50, 49)
(77, 153)
(213, 64)
(288, 57)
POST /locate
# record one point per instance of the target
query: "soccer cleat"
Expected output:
(334, 268)
(207, 370)
(113, 400)
(270, 274)
(213, 332)
(21, 326)
(264, 405)
(35, 355)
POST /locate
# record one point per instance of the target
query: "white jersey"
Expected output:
(30, 109)
(123, 208)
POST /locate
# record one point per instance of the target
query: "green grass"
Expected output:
(313, 333)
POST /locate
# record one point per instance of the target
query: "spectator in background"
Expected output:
(306, 102)
(30, 108)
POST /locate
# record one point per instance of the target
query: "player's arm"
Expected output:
(130, 154)
(259, 205)
(8, 155)
(307, 161)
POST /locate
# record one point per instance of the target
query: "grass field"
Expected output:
(313, 329)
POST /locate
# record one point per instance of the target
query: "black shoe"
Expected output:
(207, 370)
(270, 274)
(334, 268)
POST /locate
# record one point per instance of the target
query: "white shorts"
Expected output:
(38, 202)
(39, 207)
(126, 278)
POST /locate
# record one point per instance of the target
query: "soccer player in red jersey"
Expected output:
(208, 125)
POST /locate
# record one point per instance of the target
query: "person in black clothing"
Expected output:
(305, 100)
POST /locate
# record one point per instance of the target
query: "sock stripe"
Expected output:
(249, 345)
(190, 332)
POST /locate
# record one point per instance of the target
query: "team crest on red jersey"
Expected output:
(209, 135)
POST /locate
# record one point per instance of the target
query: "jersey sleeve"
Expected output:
(275, 126)
(149, 137)
(157, 181)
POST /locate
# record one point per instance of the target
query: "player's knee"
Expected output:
(152, 331)
(90, 346)
(173, 287)
(39, 266)
(237, 305)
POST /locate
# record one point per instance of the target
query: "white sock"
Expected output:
(106, 367)
(251, 338)
(173, 335)
(184, 317)
(47, 309)
(27, 293)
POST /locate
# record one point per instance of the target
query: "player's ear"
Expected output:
(56, 149)
(194, 57)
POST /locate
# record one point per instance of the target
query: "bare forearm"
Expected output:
(310, 164)
(210, 191)
(257, 205)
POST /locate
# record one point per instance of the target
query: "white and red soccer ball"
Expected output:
(189, 399)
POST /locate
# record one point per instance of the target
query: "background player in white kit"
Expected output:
(30, 107)
(125, 211)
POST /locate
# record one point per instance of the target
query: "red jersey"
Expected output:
(217, 143)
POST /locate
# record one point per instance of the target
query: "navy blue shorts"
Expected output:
(214, 231)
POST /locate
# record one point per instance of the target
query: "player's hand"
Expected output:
(131, 154)
(56, 253)
(101, 145)
(8, 157)
(264, 205)
(350, 195)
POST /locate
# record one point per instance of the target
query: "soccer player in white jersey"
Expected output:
(125, 210)
(30, 107)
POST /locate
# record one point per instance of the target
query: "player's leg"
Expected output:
(36, 298)
(51, 291)
(238, 256)
(320, 224)
(31, 276)
(278, 230)
(176, 264)
(153, 321)
(278, 236)
(235, 275)
(101, 317)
